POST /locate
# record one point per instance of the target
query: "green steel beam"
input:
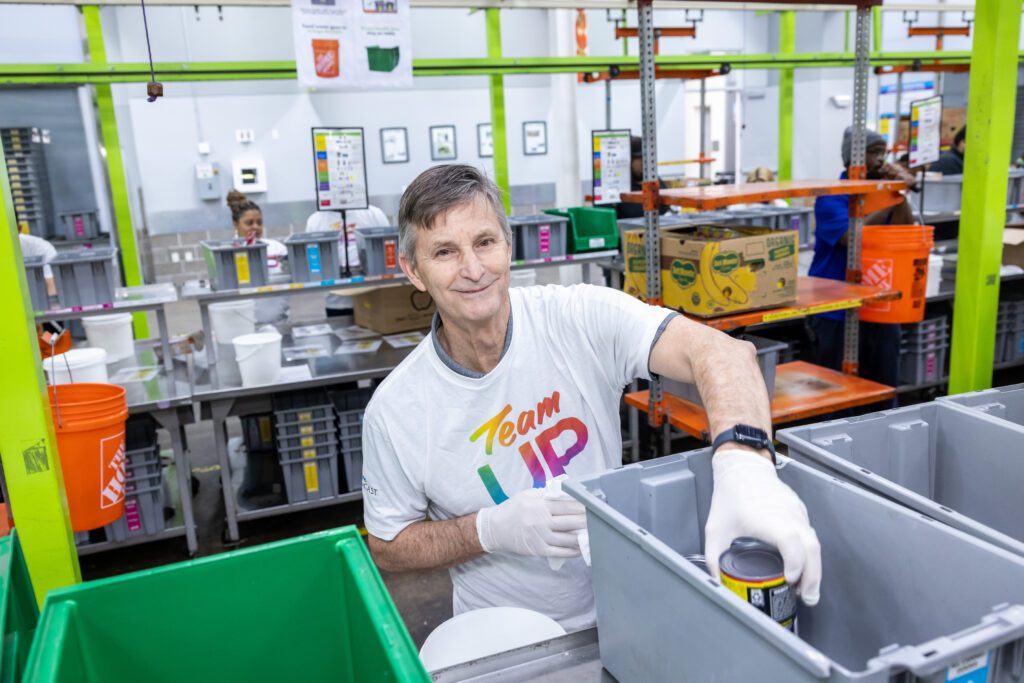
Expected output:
(787, 46)
(115, 164)
(876, 30)
(28, 445)
(497, 92)
(46, 74)
(990, 118)
(846, 32)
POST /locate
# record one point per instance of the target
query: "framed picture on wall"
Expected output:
(442, 143)
(535, 138)
(484, 140)
(394, 145)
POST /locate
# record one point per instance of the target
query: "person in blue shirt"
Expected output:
(879, 343)
(952, 160)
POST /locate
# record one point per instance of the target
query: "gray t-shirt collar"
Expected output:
(435, 325)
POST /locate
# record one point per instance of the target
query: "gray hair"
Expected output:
(439, 190)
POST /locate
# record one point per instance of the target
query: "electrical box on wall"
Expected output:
(208, 180)
(249, 175)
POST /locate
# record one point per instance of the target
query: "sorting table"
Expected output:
(570, 658)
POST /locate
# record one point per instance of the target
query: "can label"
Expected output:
(774, 597)
(242, 268)
(312, 479)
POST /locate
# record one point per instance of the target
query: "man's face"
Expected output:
(463, 262)
(874, 160)
(637, 166)
(961, 146)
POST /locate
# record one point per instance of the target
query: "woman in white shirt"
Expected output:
(247, 218)
(37, 246)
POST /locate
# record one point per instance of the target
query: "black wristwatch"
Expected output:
(745, 435)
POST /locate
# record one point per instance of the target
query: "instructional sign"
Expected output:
(611, 164)
(339, 162)
(925, 131)
(343, 44)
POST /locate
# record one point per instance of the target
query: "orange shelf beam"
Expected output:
(813, 295)
(717, 196)
(802, 390)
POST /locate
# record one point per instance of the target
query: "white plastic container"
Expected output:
(483, 632)
(78, 366)
(259, 357)
(231, 319)
(112, 333)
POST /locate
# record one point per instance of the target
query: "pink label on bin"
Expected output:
(545, 239)
(79, 226)
(929, 366)
(131, 515)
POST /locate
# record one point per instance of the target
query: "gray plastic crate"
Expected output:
(302, 406)
(768, 351)
(378, 250)
(903, 598)
(310, 478)
(143, 512)
(258, 432)
(960, 467)
(78, 225)
(538, 236)
(350, 445)
(143, 462)
(35, 273)
(314, 438)
(923, 366)
(84, 277)
(1004, 403)
(941, 195)
(233, 263)
(1015, 187)
(313, 256)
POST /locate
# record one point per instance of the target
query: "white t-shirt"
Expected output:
(443, 443)
(37, 246)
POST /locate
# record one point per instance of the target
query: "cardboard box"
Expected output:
(710, 270)
(392, 309)
(1013, 246)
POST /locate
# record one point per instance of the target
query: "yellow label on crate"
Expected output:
(264, 424)
(312, 480)
(305, 429)
(307, 441)
(309, 453)
(305, 417)
(15, 176)
(242, 268)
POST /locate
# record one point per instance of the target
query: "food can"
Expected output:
(699, 560)
(753, 570)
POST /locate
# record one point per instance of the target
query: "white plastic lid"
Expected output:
(256, 339)
(76, 358)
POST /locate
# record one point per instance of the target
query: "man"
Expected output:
(514, 387)
(952, 160)
(625, 210)
(879, 343)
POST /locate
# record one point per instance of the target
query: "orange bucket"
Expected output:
(896, 257)
(89, 419)
(325, 58)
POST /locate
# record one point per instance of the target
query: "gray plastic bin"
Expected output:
(258, 432)
(960, 467)
(941, 195)
(1004, 403)
(378, 250)
(538, 236)
(311, 439)
(310, 473)
(922, 366)
(1015, 187)
(350, 444)
(78, 225)
(35, 273)
(903, 598)
(313, 256)
(768, 351)
(232, 264)
(143, 509)
(302, 406)
(84, 277)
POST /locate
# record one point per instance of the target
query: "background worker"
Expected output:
(247, 218)
(37, 246)
(516, 386)
(952, 160)
(636, 179)
(879, 342)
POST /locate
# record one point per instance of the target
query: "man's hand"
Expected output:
(749, 500)
(530, 524)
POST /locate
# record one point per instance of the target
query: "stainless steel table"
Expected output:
(573, 658)
(220, 394)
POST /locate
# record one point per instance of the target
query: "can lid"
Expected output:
(752, 560)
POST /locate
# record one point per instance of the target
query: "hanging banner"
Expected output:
(348, 44)
(925, 131)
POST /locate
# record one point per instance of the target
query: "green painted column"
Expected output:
(27, 441)
(787, 46)
(990, 117)
(876, 29)
(115, 164)
(497, 91)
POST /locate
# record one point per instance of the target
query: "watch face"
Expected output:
(748, 434)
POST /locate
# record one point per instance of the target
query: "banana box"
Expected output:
(712, 270)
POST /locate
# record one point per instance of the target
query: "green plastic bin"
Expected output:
(591, 228)
(18, 609)
(311, 608)
(382, 58)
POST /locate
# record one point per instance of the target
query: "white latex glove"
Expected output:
(749, 500)
(528, 523)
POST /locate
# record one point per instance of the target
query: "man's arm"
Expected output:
(428, 545)
(724, 369)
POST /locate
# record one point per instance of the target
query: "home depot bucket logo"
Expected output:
(878, 273)
(111, 471)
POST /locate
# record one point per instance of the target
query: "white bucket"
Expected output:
(230, 319)
(483, 632)
(259, 357)
(112, 333)
(84, 365)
